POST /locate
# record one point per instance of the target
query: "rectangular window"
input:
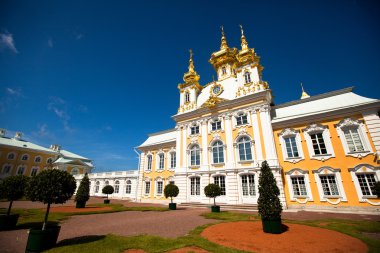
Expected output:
(147, 188)
(291, 147)
(195, 157)
(195, 186)
(149, 167)
(216, 125)
(128, 189)
(220, 180)
(162, 161)
(241, 120)
(34, 172)
(299, 187)
(353, 140)
(319, 146)
(97, 189)
(194, 130)
(329, 185)
(159, 187)
(248, 185)
(20, 171)
(367, 183)
(173, 160)
(116, 188)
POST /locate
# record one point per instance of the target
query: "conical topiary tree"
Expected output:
(83, 192)
(269, 204)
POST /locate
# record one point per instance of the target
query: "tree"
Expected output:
(13, 188)
(213, 191)
(171, 190)
(108, 189)
(83, 192)
(268, 203)
(51, 186)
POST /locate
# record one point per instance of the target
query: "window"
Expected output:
(161, 158)
(247, 77)
(217, 152)
(147, 187)
(11, 156)
(216, 125)
(318, 142)
(49, 160)
(7, 168)
(34, 172)
(195, 155)
(220, 180)
(195, 186)
(244, 147)
(25, 158)
(299, 187)
(107, 183)
(367, 183)
(117, 186)
(173, 160)
(224, 71)
(75, 171)
(329, 185)
(128, 188)
(37, 159)
(159, 187)
(291, 147)
(194, 130)
(97, 187)
(353, 140)
(21, 170)
(187, 97)
(149, 166)
(241, 119)
(248, 185)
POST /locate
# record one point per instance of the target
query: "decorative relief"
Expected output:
(251, 88)
(187, 107)
(288, 132)
(348, 123)
(315, 128)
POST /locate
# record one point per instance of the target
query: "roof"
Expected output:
(23, 144)
(64, 160)
(323, 103)
(68, 154)
(160, 138)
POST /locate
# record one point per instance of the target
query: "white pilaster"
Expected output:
(256, 135)
(266, 126)
(204, 144)
(230, 163)
(178, 146)
(184, 148)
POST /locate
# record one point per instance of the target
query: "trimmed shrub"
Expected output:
(170, 191)
(108, 189)
(83, 192)
(13, 188)
(213, 191)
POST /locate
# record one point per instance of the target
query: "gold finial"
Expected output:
(304, 94)
(244, 43)
(191, 63)
(223, 44)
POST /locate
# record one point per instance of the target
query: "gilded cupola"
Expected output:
(246, 55)
(191, 77)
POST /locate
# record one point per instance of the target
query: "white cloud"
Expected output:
(59, 107)
(10, 98)
(50, 42)
(7, 42)
(79, 36)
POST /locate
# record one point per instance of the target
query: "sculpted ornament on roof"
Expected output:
(348, 122)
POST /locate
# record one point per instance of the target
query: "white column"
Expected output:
(266, 126)
(256, 135)
(204, 144)
(184, 147)
(178, 146)
(229, 141)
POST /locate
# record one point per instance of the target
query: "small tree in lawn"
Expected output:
(108, 189)
(13, 188)
(213, 191)
(269, 204)
(83, 192)
(51, 186)
(170, 191)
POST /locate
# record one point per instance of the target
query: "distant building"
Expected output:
(323, 150)
(21, 157)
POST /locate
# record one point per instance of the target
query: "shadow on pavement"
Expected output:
(80, 240)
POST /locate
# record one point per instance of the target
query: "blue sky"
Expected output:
(97, 76)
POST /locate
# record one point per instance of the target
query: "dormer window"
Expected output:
(187, 97)
(224, 71)
(25, 158)
(194, 130)
(216, 125)
(241, 119)
(37, 159)
(247, 77)
(11, 156)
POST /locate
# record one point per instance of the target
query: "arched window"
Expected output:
(74, 171)
(34, 171)
(149, 163)
(6, 168)
(97, 184)
(161, 164)
(107, 183)
(244, 147)
(37, 159)
(49, 160)
(25, 157)
(187, 97)
(247, 77)
(217, 152)
(195, 155)
(21, 170)
(11, 156)
(128, 188)
(117, 186)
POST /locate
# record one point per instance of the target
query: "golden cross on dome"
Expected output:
(241, 29)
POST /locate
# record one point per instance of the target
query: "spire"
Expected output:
(191, 63)
(244, 43)
(304, 94)
(223, 44)
(191, 76)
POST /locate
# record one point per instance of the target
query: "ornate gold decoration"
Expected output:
(187, 107)
(304, 94)
(223, 41)
(212, 101)
(214, 86)
(244, 43)
(191, 77)
(252, 88)
(224, 55)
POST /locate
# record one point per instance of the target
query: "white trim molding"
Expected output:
(363, 169)
(324, 130)
(301, 199)
(347, 124)
(328, 171)
(287, 133)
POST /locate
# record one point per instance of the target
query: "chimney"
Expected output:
(18, 136)
(2, 132)
(55, 147)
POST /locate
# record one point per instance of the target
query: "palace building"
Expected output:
(323, 150)
(21, 157)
